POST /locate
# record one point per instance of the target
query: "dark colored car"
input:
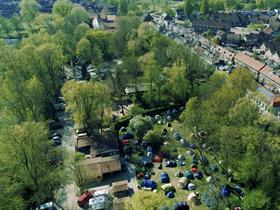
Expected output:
(84, 198)
(55, 125)
(57, 141)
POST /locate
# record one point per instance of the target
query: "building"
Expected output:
(242, 59)
(104, 22)
(96, 167)
(276, 101)
(270, 80)
(271, 52)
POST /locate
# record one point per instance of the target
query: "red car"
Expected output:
(84, 198)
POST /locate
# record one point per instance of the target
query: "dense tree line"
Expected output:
(237, 134)
(205, 7)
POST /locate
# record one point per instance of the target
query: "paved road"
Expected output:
(67, 197)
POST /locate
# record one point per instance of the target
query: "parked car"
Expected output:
(47, 206)
(55, 125)
(57, 140)
(81, 130)
(84, 198)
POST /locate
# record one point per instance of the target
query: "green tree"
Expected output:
(204, 7)
(256, 200)
(89, 103)
(29, 10)
(62, 8)
(26, 147)
(188, 8)
(122, 8)
(140, 125)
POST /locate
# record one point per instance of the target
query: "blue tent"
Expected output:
(177, 136)
(169, 118)
(192, 146)
(194, 159)
(171, 164)
(169, 112)
(149, 149)
(123, 129)
(181, 206)
(164, 178)
(204, 160)
(191, 186)
(214, 168)
(189, 175)
(127, 135)
(149, 184)
(174, 111)
(146, 161)
(198, 175)
(170, 194)
(225, 191)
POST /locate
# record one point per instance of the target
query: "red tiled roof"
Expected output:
(248, 61)
(267, 72)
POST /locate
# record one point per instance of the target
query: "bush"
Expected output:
(169, 152)
(154, 139)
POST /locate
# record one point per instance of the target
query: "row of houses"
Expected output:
(262, 72)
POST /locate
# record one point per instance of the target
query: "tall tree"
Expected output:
(122, 8)
(29, 10)
(26, 147)
(188, 8)
(204, 7)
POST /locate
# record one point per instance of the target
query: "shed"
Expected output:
(120, 186)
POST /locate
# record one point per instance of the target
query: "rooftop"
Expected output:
(249, 61)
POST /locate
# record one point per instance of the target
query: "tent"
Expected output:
(182, 183)
(165, 186)
(158, 159)
(149, 184)
(214, 168)
(170, 194)
(181, 157)
(127, 135)
(164, 178)
(157, 117)
(169, 118)
(125, 141)
(177, 136)
(150, 154)
(190, 152)
(171, 164)
(204, 160)
(194, 159)
(193, 199)
(149, 149)
(164, 208)
(145, 161)
(169, 112)
(174, 111)
(192, 146)
(181, 206)
(123, 129)
(194, 169)
(209, 179)
(179, 174)
(198, 175)
(181, 163)
(225, 191)
(189, 175)
(191, 186)
(184, 142)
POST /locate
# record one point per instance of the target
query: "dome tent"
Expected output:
(164, 178)
(149, 184)
(182, 183)
(225, 191)
(179, 174)
(198, 175)
(170, 194)
(123, 129)
(171, 164)
(189, 175)
(181, 206)
(214, 168)
(127, 135)
(177, 136)
(191, 186)
(193, 199)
